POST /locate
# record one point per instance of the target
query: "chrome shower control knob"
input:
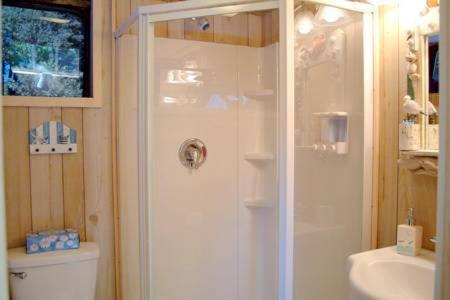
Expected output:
(192, 153)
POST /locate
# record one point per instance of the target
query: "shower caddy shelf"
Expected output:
(257, 203)
(333, 132)
(331, 114)
(258, 156)
(262, 94)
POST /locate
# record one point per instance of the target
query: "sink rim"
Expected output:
(356, 263)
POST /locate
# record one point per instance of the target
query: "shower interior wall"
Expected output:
(218, 222)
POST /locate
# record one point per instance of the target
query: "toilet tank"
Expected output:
(68, 274)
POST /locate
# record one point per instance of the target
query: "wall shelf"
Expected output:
(262, 94)
(257, 203)
(421, 152)
(331, 114)
(258, 156)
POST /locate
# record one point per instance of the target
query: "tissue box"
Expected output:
(52, 240)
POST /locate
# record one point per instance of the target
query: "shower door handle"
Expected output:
(192, 153)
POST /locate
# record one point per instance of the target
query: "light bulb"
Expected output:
(304, 22)
(330, 14)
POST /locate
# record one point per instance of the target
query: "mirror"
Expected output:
(432, 91)
(419, 131)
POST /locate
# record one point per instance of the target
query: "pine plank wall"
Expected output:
(247, 29)
(398, 188)
(58, 191)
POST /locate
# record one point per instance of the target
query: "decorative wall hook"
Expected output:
(52, 137)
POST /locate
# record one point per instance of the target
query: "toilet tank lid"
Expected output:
(17, 257)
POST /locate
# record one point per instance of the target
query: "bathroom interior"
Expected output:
(224, 149)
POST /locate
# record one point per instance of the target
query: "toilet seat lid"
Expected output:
(18, 258)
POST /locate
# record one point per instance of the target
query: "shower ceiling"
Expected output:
(310, 17)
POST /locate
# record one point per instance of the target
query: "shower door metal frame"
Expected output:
(145, 17)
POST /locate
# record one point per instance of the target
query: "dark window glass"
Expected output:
(45, 52)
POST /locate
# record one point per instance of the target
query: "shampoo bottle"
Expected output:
(409, 236)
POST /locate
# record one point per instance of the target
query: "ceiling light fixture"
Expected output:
(304, 22)
(330, 14)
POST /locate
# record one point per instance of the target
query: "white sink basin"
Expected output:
(383, 274)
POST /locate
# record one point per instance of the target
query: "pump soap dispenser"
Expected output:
(409, 236)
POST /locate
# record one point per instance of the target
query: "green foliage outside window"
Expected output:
(44, 53)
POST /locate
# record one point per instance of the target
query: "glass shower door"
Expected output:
(330, 147)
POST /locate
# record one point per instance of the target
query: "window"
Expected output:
(46, 49)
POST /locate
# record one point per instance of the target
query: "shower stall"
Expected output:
(243, 148)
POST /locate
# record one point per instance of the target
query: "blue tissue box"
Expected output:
(52, 240)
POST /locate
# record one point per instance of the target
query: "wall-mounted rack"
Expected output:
(421, 152)
(258, 156)
(333, 132)
(52, 137)
(262, 94)
(257, 203)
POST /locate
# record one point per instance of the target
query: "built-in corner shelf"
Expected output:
(331, 114)
(258, 156)
(262, 94)
(421, 152)
(257, 203)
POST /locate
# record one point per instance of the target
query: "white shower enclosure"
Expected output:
(244, 168)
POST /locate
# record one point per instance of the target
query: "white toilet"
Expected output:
(68, 274)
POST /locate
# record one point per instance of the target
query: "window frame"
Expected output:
(94, 101)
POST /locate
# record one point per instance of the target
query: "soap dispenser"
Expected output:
(409, 236)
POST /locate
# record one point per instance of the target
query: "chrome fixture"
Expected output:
(21, 275)
(202, 23)
(192, 153)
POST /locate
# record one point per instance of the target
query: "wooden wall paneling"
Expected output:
(98, 169)
(275, 26)
(399, 189)
(46, 179)
(389, 112)
(270, 27)
(231, 29)
(255, 30)
(175, 29)
(434, 98)
(123, 11)
(73, 175)
(160, 27)
(17, 174)
(267, 28)
(376, 130)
